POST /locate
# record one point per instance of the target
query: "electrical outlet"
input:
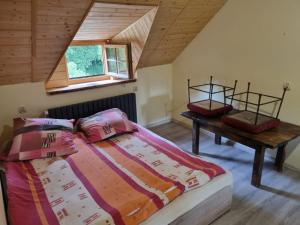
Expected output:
(22, 109)
(287, 85)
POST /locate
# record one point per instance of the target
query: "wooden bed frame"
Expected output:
(203, 214)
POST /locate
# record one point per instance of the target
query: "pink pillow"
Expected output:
(39, 138)
(105, 124)
(45, 121)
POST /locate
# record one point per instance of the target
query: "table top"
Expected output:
(273, 138)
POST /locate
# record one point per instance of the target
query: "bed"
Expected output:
(198, 206)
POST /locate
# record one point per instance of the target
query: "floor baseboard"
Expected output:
(287, 166)
(159, 122)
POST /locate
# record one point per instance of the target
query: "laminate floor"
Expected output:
(277, 202)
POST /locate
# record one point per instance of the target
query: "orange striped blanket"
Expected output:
(121, 181)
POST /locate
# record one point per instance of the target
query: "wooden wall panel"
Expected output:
(137, 35)
(176, 24)
(15, 41)
(60, 76)
(56, 23)
(106, 20)
(132, 2)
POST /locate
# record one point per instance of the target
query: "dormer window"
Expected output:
(99, 54)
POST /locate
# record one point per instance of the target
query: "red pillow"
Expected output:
(41, 137)
(245, 121)
(105, 124)
(202, 107)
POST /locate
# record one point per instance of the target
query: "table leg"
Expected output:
(280, 157)
(218, 139)
(195, 136)
(258, 166)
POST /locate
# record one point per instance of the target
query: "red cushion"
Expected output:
(266, 124)
(202, 108)
(105, 124)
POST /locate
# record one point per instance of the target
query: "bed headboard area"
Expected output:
(126, 103)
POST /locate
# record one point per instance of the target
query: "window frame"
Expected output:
(117, 46)
(106, 76)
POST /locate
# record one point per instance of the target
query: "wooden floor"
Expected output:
(276, 202)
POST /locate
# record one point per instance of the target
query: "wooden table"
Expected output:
(276, 138)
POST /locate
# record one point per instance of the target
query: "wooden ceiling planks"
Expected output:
(176, 25)
(105, 20)
(60, 76)
(38, 31)
(15, 41)
(56, 22)
(132, 2)
(137, 34)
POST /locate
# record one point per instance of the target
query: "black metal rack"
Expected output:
(260, 103)
(211, 91)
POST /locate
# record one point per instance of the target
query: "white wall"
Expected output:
(257, 41)
(153, 98)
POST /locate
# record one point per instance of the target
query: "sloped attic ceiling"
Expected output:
(104, 20)
(176, 24)
(34, 34)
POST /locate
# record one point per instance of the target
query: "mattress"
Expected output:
(178, 207)
(122, 180)
(189, 200)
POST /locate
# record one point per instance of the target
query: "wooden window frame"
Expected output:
(106, 76)
(118, 75)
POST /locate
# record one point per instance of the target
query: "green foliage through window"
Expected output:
(84, 61)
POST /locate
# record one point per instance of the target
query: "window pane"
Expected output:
(111, 53)
(121, 54)
(112, 66)
(84, 61)
(123, 68)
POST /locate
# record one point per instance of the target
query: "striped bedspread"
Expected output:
(122, 181)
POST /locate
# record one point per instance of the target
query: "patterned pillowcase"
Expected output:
(105, 124)
(45, 121)
(40, 138)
